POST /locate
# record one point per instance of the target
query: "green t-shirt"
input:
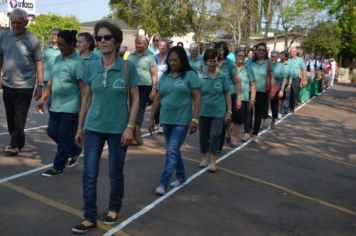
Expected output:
(281, 72)
(196, 63)
(213, 102)
(143, 64)
(246, 79)
(296, 64)
(176, 97)
(229, 68)
(258, 72)
(65, 76)
(90, 57)
(108, 111)
(49, 56)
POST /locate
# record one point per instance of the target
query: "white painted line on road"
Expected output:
(29, 129)
(190, 179)
(22, 174)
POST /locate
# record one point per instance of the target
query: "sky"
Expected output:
(84, 10)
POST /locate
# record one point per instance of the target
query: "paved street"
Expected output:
(300, 180)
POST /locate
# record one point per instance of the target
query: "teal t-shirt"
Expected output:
(196, 63)
(246, 80)
(281, 72)
(65, 76)
(108, 111)
(258, 72)
(296, 64)
(213, 102)
(143, 64)
(176, 97)
(90, 57)
(229, 68)
(49, 56)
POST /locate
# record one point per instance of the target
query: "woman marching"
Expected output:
(65, 88)
(248, 98)
(215, 109)
(260, 70)
(85, 46)
(178, 92)
(110, 81)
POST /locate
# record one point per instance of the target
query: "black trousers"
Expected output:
(275, 106)
(261, 105)
(17, 103)
(294, 94)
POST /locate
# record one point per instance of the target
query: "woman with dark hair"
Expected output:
(260, 70)
(215, 109)
(178, 92)
(110, 80)
(229, 68)
(65, 87)
(248, 99)
(85, 46)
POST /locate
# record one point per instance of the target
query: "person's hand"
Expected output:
(288, 88)
(192, 127)
(151, 126)
(79, 137)
(38, 92)
(271, 95)
(39, 107)
(251, 104)
(127, 137)
(280, 94)
(153, 94)
(238, 103)
(228, 118)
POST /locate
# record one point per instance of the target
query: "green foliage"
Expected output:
(166, 17)
(44, 24)
(324, 37)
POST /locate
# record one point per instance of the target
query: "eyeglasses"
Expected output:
(155, 40)
(106, 37)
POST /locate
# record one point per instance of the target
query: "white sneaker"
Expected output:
(160, 130)
(175, 183)
(279, 116)
(161, 190)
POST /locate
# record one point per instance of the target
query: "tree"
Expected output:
(324, 38)
(44, 24)
(166, 17)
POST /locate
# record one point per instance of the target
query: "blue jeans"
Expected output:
(174, 135)
(144, 93)
(93, 147)
(62, 128)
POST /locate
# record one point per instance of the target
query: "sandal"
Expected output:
(11, 151)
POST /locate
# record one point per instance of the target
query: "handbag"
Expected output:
(137, 136)
(268, 82)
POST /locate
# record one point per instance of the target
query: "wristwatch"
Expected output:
(195, 121)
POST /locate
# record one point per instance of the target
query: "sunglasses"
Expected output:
(156, 40)
(106, 37)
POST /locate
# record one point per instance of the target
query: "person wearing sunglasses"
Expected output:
(66, 88)
(155, 44)
(105, 117)
(146, 67)
(260, 70)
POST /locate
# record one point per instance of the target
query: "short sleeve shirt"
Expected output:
(176, 97)
(280, 72)
(228, 67)
(108, 111)
(19, 59)
(49, 56)
(65, 90)
(296, 65)
(258, 72)
(196, 63)
(144, 63)
(246, 80)
(90, 57)
(213, 102)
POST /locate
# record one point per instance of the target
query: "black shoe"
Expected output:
(108, 220)
(82, 229)
(52, 172)
(73, 161)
